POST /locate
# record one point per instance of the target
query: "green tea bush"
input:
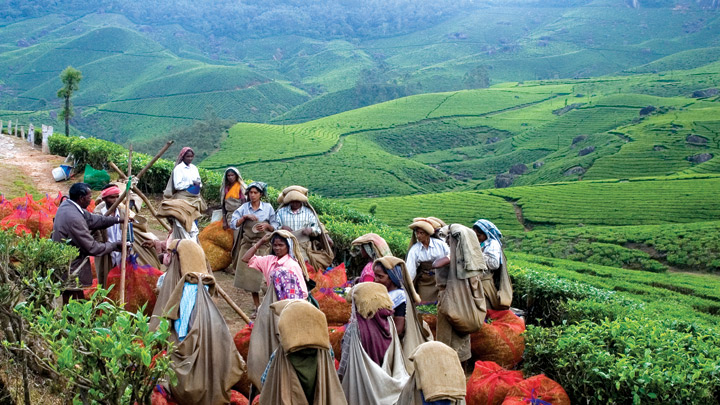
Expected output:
(97, 152)
(107, 354)
(628, 360)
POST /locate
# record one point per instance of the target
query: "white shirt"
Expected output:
(492, 252)
(265, 212)
(418, 253)
(114, 234)
(184, 176)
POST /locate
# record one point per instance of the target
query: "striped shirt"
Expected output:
(303, 218)
(436, 249)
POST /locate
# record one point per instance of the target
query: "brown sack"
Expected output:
(206, 362)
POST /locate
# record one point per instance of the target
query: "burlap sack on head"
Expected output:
(436, 224)
(302, 326)
(370, 298)
(192, 256)
(294, 195)
(438, 372)
(423, 224)
(281, 198)
(438, 220)
(378, 244)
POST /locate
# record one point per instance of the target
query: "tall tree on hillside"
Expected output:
(70, 78)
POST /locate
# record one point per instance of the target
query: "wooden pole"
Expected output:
(154, 159)
(232, 304)
(123, 257)
(141, 195)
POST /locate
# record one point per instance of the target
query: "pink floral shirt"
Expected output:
(270, 264)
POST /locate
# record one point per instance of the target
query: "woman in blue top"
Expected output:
(254, 219)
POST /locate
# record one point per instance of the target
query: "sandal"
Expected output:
(253, 314)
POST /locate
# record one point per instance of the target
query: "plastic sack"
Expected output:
(499, 340)
(490, 383)
(336, 336)
(336, 308)
(140, 284)
(537, 390)
(337, 276)
(96, 179)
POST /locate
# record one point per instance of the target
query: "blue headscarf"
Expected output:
(489, 229)
(259, 185)
(396, 275)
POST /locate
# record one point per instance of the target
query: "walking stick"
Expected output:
(232, 304)
(123, 256)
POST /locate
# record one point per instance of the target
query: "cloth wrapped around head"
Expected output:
(374, 245)
(112, 190)
(423, 224)
(259, 186)
(397, 270)
(182, 154)
(293, 249)
(302, 326)
(224, 186)
(369, 298)
(489, 229)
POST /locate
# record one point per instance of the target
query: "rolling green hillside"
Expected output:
(514, 133)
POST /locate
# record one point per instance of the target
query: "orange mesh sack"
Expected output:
(217, 257)
(490, 383)
(336, 308)
(48, 204)
(499, 340)
(537, 390)
(25, 201)
(215, 233)
(89, 291)
(337, 276)
(140, 282)
(242, 340)
(336, 336)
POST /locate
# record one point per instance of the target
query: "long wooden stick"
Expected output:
(123, 256)
(232, 304)
(154, 159)
(141, 195)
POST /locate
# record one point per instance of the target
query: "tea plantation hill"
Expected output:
(144, 77)
(545, 131)
(652, 224)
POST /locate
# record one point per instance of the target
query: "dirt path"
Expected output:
(29, 160)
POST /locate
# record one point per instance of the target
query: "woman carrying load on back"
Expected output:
(232, 194)
(392, 273)
(183, 204)
(253, 220)
(438, 378)
(287, 280)
(372, 246)
(497, 285)
(426, 254)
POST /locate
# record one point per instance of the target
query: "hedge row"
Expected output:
(607, 347)
(97, 152)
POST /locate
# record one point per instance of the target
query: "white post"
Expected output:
(31, 134)
(9, 131)
(1, 127)
(45, 147)
(16, 125)
(22, 132)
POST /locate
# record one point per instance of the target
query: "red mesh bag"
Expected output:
(25, 201)
(336, 308)
(336, 336)
(89, 291)
(242, 340)
(500, 339)
(490, 383)
(243, 385)
(18, 218)
(256, 400)
(6, 207)
(92, 266)
(157, 398)
(58, 199)
(321, 281)
(91, 207)
(48, 204)
(537, 390)
(237, 398)
(337, 276)
(140, 282)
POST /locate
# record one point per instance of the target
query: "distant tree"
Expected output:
(70, 78)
